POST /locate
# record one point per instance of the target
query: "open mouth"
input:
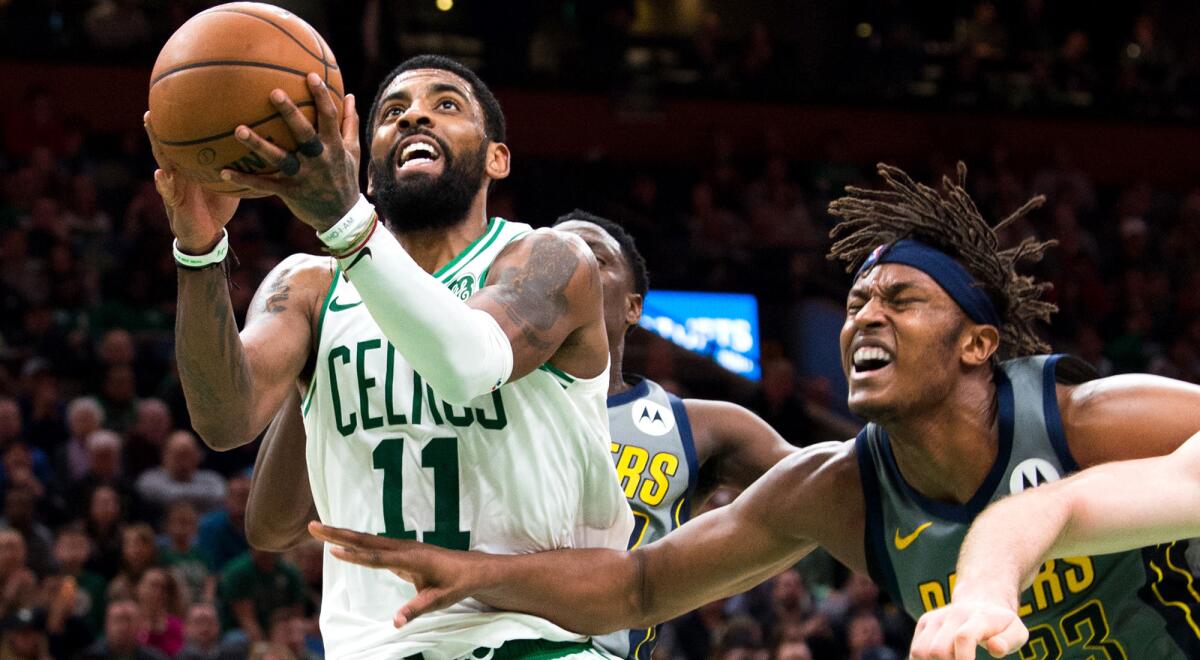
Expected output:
(417, 153)
(868, 359)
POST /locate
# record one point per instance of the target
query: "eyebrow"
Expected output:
(442, 87)
(436, 88)
(889, 291)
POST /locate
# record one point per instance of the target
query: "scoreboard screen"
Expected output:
(722, 326)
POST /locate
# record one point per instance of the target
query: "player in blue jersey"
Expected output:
(670, 454)
(1108, 508)
(942, 357)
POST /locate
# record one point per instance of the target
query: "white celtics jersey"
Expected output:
(523, 469)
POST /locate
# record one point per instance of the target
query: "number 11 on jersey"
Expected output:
(441, 456)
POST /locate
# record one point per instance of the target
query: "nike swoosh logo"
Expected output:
(335, 306)
(902, 542)
(365, 252)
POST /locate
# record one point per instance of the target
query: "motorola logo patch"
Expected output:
(651, 418)
(1031, 473)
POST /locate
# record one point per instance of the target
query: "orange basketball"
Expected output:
(217, 72)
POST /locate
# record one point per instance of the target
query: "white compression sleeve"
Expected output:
(460, 351)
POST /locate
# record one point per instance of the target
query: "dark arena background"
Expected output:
(716, 131)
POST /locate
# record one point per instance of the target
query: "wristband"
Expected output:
(349, 231)
(212, 258)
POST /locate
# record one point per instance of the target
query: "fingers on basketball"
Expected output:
(327, 113)
(350, 124)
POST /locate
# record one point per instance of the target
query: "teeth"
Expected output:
(871, 354)
(416, 161)
(418, 147)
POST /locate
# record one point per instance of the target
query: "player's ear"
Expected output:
(498, 161)
(979, 343)
(371, 177)
(633, 308)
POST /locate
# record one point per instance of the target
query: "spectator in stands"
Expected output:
(162, 602)
(203, 633)
(72, 549)
(23, 637)
(58, 606)
(177, 550)
(147, 439)
(792, 650)
(119, 396)
(138, 555)
(179, 477)
(122, 625)
(256, 585)
(222, 535)
(289, 630)
(25, 469)
(790, 600)
(269, 651)
(309, 559)
(19, 516)
(18, 584)
(865, 639)
(10, 422)
(104, 469)
(84, 417)
(104, 528)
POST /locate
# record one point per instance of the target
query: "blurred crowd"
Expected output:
(122, 536)
(1135, 59)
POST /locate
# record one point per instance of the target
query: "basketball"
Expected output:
(217, 72)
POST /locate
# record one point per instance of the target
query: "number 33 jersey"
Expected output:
(523, 469)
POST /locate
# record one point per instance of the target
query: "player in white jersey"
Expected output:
(724, 444)
(466, 421)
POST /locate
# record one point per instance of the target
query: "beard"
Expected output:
(422, 202)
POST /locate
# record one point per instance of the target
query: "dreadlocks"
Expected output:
(949, 221)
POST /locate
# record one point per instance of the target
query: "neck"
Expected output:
(616, 353)
(434, 248)
(946, 451)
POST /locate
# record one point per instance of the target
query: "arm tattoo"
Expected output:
(279, 295)
(533, 295)
(209, 356)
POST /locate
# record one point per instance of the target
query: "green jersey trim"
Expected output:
(564, 379)
(462, 258)
(483, 276)
(312, 385)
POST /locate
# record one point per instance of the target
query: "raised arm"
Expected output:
(543, 304)
(234, 384)
(740, 447)
(769, 527)
(281, 503)
(1109, 508)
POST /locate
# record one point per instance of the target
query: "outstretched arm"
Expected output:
(281, 503)
(1108, 508)
(772, 525)
(739, 446)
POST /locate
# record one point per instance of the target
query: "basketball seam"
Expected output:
(321, 43)
(253, 124)
(258, 65)
(320, 58)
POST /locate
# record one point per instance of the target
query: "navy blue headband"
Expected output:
(948, 273)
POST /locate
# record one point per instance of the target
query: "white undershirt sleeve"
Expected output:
(460, 351)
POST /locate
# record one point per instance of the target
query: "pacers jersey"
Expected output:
(522, 469)
(657, 468)
(1136, 604)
